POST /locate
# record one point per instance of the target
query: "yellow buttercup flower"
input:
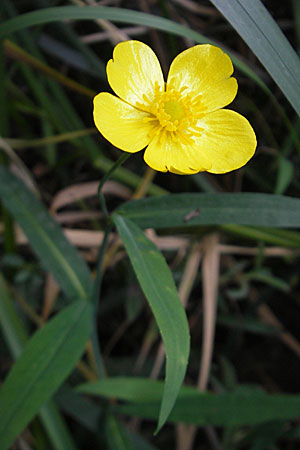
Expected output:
(181, 122)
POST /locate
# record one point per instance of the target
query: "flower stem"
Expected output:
(99, 268)
(108, 174)
(95, 298)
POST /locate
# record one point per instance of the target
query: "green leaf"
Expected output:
(189, 210)
(158, 286)
(46, 237)
(48, 358)
(88, 413)
(134, 389)
(244, 406)
(233, 409)
(259, 30)
(15, 336)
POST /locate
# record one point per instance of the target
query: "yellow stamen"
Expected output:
(173, 113)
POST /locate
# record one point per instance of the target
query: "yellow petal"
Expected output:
(120, 123)
(164, 154)
(226, 143)
(205, 70)
(134, 71)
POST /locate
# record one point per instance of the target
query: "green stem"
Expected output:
(108, 174)
(99, 271)
(95, 298)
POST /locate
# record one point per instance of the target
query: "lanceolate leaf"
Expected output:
(258, 29)
(158, 286)
(48, 358)
(45, 236)
(244, 406)
(188, 210)
(133, 389)
(229, 410)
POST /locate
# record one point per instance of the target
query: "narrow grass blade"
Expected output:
(48, 358)
(89, 414)
(259, 30)
(228, 410)
(133, 389)
(45, 236)
(274, 236)
(12, 328)
(158, 286)
(244, 406)
(115, 434)
(49, 140)
(19, 54)
(284, 175)
(188, 210)
(58, 433)
(81, 409)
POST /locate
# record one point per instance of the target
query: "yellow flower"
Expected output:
(181, 121)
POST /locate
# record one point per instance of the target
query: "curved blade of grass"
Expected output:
(48, 358)
(88, 413)
(55, 14)
(188, 210)
(259, 30)
(135, 17)
(158, 286)
(244, 406)
(45, 236)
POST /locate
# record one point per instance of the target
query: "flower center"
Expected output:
(174, 113)
(174, 109)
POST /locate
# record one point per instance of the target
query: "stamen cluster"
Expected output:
(174, 112)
